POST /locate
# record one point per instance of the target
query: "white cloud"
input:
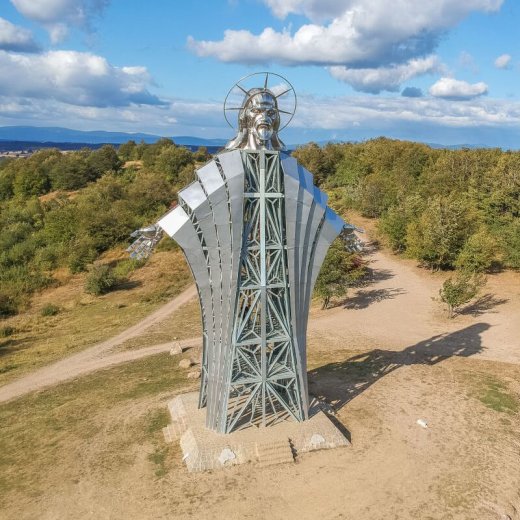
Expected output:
(75, 78)
(16, 38)
(502, 62)
(57, 15)
(361, 33)
(385, 78)
(450, 88)
(365, 116)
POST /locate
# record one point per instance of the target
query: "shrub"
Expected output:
(8, 306)
(49, 309)
(460, 289)
(7, 331)
(83, 253)
(478, 253)
(127, 266)
(339, 271)
(101, 280)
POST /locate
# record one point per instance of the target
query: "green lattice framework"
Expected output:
(264, 385)
(255, 231)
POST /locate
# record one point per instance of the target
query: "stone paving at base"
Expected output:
(204, 449)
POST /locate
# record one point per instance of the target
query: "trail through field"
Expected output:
(99, 356)
(395, 310)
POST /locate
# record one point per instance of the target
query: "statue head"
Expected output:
(259, 111)
(258, 122)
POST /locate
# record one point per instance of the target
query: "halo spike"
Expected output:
(283, 93)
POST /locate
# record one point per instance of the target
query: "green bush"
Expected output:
(460, 289)
(8, 305)
(126, 267)
(83, 253)
(339, 271)
(49, 309)
(101, 280)
(478, 254)
(6, 331)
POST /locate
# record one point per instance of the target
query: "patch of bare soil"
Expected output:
(111, 462)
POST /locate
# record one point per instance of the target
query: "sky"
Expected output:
(437, 71)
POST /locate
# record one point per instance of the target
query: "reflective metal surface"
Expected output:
(255, 231)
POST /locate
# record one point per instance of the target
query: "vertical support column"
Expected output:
(263, 281)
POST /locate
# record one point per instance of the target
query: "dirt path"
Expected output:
(99, 356)
(395, 311)
(399, 309)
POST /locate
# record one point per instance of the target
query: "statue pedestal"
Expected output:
(204, 449)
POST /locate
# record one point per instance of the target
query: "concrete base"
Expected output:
(204, 449)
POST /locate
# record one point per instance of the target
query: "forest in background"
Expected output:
(63, 210)
(446, 209)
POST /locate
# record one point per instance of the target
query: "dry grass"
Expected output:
(183, 324)
(93, 447)
(93, 425)
(84, 320)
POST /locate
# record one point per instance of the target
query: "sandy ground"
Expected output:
(400, 308)
(385, 358)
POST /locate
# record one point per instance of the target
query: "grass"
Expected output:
(493, 392)
(31, 340)
(98, 424)
(184, 324)
(496, 396)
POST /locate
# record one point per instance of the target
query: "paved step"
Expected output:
(278, 452)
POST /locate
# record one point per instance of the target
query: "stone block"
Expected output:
(185, 363)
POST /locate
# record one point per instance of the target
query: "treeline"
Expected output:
(446, 208)
(65, 209)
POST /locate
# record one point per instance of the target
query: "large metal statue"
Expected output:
(254, 230)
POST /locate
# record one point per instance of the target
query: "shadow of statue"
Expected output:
(338, 383)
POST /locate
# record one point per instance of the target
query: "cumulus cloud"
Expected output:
(503, 61)
(412, 92)
(57, 15)
(16, 38)
(385, 78)
(381, 112)
(454, 89)
(76, 78)
(360, 33)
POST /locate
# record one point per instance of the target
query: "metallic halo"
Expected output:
(266, 80)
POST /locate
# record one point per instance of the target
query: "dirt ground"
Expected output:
(385, 358)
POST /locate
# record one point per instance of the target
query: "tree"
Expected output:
(339, 271)
(202, 154)
(127, 151)
(393, 224)
(316, 160)
(460, 289)
(171, 161)
(439, 234)
(479, 252)
(104, 160)
(71, 172)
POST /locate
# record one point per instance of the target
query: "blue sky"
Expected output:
(442, 71)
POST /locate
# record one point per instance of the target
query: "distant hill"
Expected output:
(37, 134)
(33, 137)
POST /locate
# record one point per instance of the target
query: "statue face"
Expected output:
(262, 115)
